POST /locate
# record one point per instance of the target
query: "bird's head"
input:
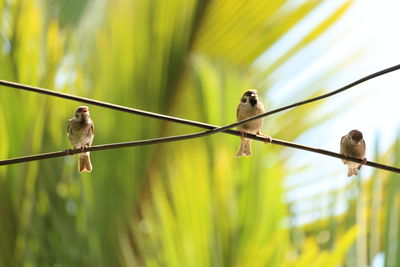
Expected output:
(82, 113)
(250, 97)
(356, 136)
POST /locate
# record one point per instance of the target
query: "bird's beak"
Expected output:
(84, 110)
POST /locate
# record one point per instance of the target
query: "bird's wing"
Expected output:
(363, 141)
(91, 131)
(92, 127)
(341, 150)
(341, 141)
(69, 126)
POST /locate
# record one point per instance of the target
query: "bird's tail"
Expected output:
(244, 149)
(352, 171)
(84, 164)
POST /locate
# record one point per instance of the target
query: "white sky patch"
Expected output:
(66, 74)
(371, 27)
(297, 33)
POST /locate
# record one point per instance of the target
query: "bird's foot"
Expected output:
(345, 161)
(268, 139)
(362, 163)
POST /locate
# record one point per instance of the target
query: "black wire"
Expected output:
(212, 129)
(184, 121)
(101, 103)
(369, 77)
(186, 137)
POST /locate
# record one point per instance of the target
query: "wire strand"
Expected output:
(212, 129)
(307, 101)
(186, 137)
(185, 121)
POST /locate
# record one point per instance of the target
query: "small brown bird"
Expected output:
(353, 145)
(81, 134)
(249, 106)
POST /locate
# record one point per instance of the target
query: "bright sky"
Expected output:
(369, 29)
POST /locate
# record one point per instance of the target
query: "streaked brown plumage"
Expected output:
(249, 106)
(353, 145)
(81, 134)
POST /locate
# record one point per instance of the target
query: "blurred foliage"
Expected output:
(189, 203)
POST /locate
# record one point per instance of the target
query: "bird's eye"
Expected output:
(244, 100)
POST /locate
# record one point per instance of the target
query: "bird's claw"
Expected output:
(345, 160)
(268, 139)
(364, 161)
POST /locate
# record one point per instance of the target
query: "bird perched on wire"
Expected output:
(81, 134)
(353, 145)
(249, 106)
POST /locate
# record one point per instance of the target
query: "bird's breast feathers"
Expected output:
(80, 133)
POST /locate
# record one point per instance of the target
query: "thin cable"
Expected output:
(184, 121)
(366, 78)
(186, 137)
(100, 103)
(214, 129)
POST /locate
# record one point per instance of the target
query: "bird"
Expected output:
(353, 145)
(80, 134)
(249, 106)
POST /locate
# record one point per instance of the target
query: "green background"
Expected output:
(188, 203)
